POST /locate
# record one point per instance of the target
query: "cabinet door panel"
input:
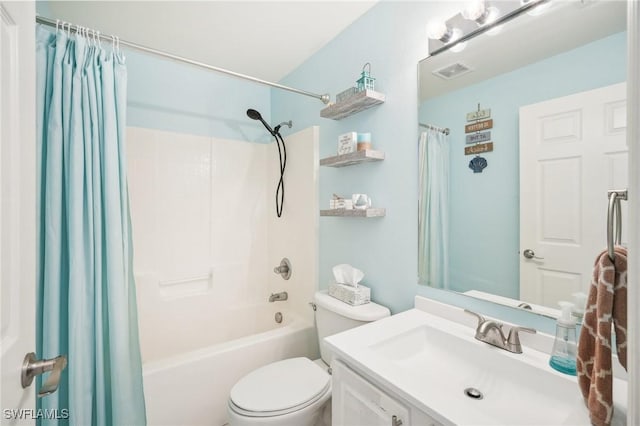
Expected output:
(356, 402)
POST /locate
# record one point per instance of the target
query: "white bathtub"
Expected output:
(191, 388)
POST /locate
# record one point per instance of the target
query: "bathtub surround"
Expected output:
(86, 289)
(295, 234)
(207, 239)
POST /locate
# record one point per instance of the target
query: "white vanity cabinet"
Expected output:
(356, 402)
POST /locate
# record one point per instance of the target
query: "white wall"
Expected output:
(206, 237)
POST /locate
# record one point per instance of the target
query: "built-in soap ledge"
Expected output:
(185, 287)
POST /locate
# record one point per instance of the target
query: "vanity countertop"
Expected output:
(429, 361)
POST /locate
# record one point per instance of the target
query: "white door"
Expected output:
(17, 205)
(572, 151)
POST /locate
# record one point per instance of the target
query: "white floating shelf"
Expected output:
(357, 157)
(378, 212)
(354, 104)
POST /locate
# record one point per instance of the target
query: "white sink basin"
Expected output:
(430, 362)
(509, 388)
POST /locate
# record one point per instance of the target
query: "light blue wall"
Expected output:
(166, 95)
(391, 36)
(485, 206)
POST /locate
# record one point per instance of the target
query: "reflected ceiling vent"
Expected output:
(452, 71)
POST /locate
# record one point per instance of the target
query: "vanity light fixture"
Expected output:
(478, 17)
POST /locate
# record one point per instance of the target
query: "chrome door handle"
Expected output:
(530, 254)
(32, 367)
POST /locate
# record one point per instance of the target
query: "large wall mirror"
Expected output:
(513, 200)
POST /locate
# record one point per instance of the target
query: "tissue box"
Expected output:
(351, 295)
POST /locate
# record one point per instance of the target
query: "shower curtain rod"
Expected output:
(74, 28)
(439, 129)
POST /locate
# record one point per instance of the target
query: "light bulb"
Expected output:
(438, 30)
(478, 11)
(474, 10)
(492, 15)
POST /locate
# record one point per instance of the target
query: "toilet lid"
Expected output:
(280, 386)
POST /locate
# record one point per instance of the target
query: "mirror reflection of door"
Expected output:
(572, 151)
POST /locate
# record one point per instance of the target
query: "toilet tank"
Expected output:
(334, 316)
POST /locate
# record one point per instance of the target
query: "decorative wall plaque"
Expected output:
(480, 125)
(479, 148)
(478, 137)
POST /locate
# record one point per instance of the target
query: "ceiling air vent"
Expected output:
(452, 71)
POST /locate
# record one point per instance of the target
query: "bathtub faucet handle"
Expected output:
(284, 268)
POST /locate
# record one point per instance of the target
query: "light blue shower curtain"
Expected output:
(433, 217)
(86, 291)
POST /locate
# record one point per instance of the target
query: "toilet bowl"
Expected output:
(292, 392)
(297, 391)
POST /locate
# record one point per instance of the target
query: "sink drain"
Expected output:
(473, 393)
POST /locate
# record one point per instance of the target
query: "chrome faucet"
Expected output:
(277, 297)
(490, 332)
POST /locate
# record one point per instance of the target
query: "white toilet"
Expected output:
(295, 391)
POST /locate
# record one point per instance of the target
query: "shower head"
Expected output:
(255, 115)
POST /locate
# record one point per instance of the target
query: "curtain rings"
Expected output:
(57, 24)
(98, 38)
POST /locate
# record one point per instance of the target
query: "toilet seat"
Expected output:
(280, 388)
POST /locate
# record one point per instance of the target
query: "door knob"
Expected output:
(530, 254)
(32, 367)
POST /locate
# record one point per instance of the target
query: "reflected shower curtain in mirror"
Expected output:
(86, 292)
(433, 217)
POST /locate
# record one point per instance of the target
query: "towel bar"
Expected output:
(614, 209)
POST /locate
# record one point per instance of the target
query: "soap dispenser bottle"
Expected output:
(563, 354)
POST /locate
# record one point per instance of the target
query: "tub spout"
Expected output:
(277, 297)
